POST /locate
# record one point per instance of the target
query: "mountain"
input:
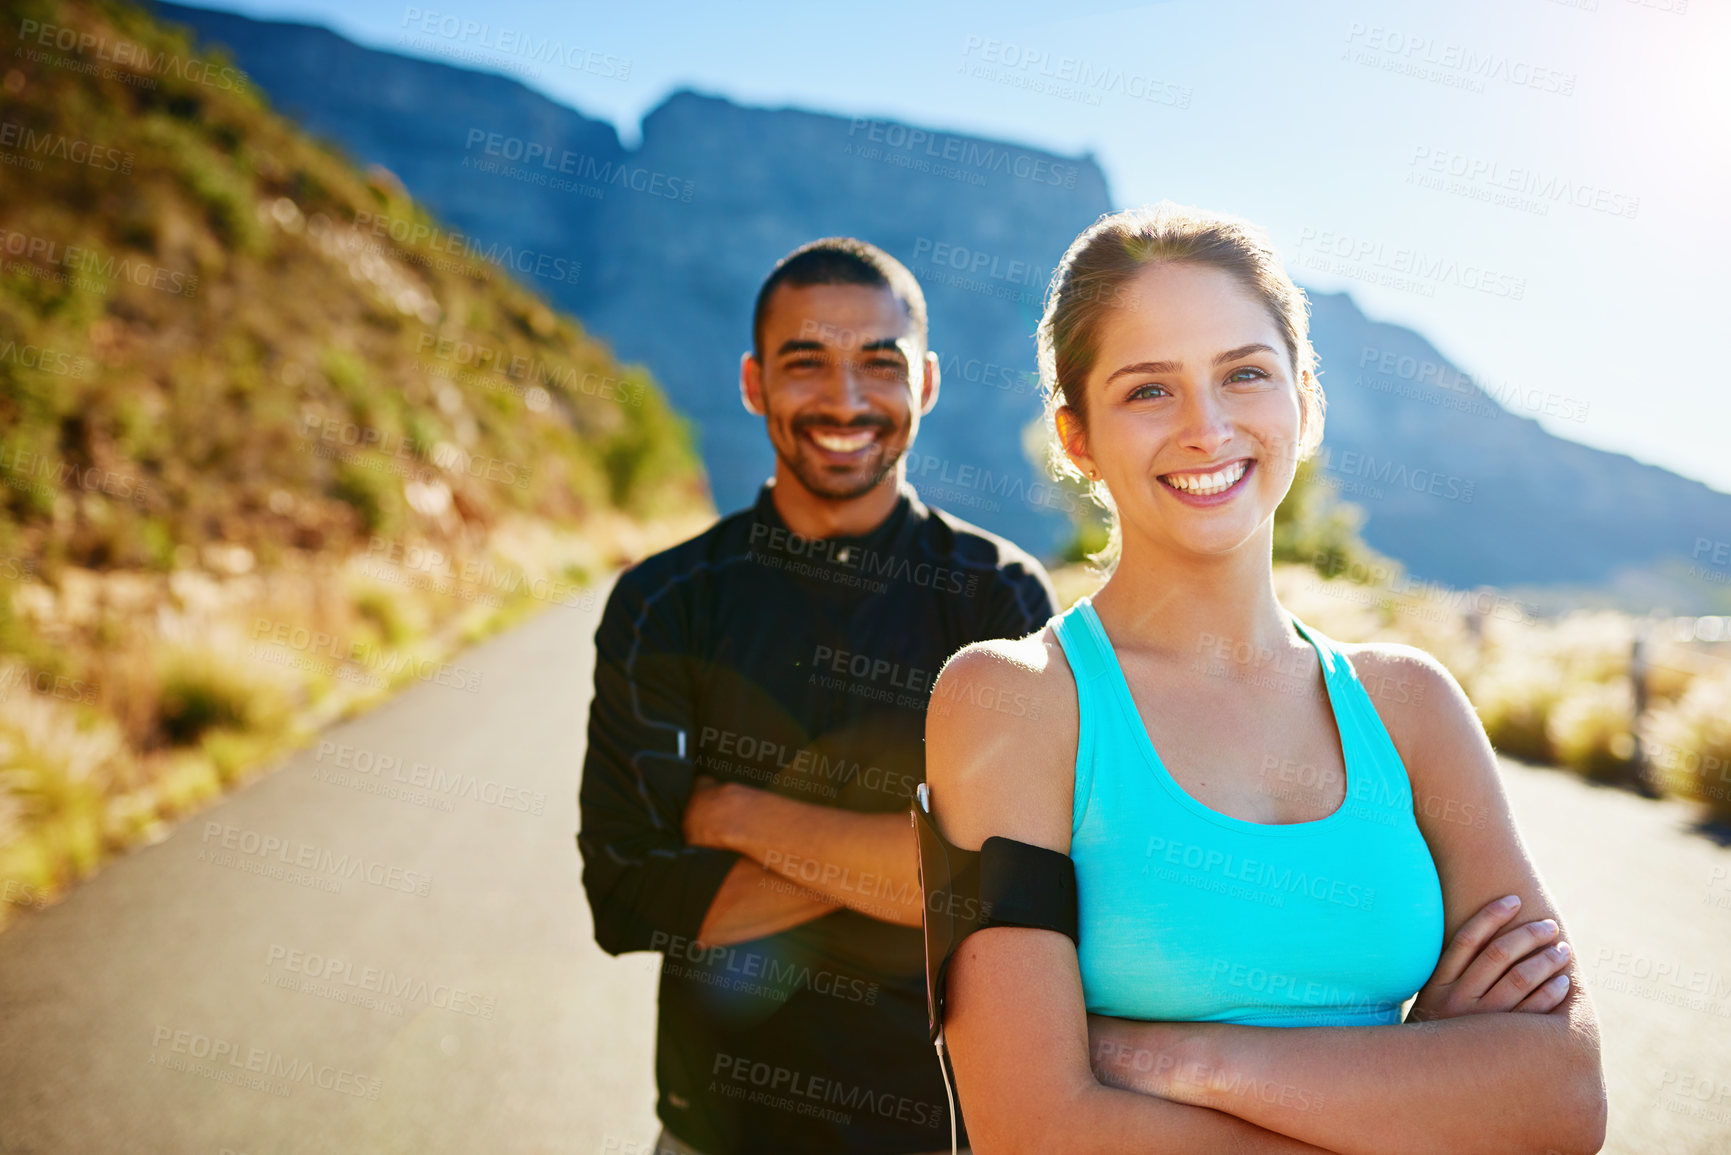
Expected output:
(1465, 491)
(675, 235)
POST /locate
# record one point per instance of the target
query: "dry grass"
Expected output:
(1689, 744)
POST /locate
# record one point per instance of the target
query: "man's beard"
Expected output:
(816, 478)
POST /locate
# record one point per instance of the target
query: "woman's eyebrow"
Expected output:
(1178, 366)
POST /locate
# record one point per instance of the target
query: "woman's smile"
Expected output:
(1211, 486)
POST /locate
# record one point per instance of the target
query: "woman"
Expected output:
(1265, 937)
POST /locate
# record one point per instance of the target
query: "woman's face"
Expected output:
(1193, 413)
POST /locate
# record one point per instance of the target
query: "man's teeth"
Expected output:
(844, 442)
(1203, 484)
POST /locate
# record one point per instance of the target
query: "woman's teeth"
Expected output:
(844, 442)
(1204, 484)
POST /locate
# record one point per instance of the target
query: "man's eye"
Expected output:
(805, 363)
(886, 366)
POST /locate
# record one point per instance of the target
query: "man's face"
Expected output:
(843, 382)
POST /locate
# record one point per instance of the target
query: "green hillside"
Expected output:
(241, 382)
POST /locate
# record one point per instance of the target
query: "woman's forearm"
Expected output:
(1102, 1120)
(1481, 1083)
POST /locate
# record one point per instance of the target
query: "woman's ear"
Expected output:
(1074, 439)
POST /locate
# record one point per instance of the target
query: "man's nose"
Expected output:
(845, 387)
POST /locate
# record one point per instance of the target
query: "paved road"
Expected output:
(479, 1016)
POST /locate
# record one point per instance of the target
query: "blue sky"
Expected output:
(1539, 186)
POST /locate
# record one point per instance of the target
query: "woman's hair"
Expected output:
(1094, 279)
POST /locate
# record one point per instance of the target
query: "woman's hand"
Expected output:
(1482, 971)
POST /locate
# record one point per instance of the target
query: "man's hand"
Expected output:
(712, 816)
(868, 862)
(1482, 972)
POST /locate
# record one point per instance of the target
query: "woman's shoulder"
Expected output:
(1402, 680)
(1001, 741)
(1426, 713)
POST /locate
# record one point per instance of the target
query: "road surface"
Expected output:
(383, 946)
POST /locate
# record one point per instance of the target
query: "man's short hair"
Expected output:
(840, 261)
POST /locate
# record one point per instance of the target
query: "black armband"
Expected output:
(1003, 883)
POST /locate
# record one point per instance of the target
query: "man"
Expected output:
(757, 732)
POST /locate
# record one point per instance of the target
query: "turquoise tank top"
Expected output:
(1188, 914)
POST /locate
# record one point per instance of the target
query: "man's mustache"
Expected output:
(800, 425)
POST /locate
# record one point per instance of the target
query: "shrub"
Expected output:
(374, 494)
(388, 614)
(1514, 699)
(201, 693)
(1590, 730)
(1689, 744)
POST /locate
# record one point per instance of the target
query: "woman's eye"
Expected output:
(1248, 373)
(1148, 390)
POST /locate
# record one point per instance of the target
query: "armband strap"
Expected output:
(1004, 883)
(1026, 885)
